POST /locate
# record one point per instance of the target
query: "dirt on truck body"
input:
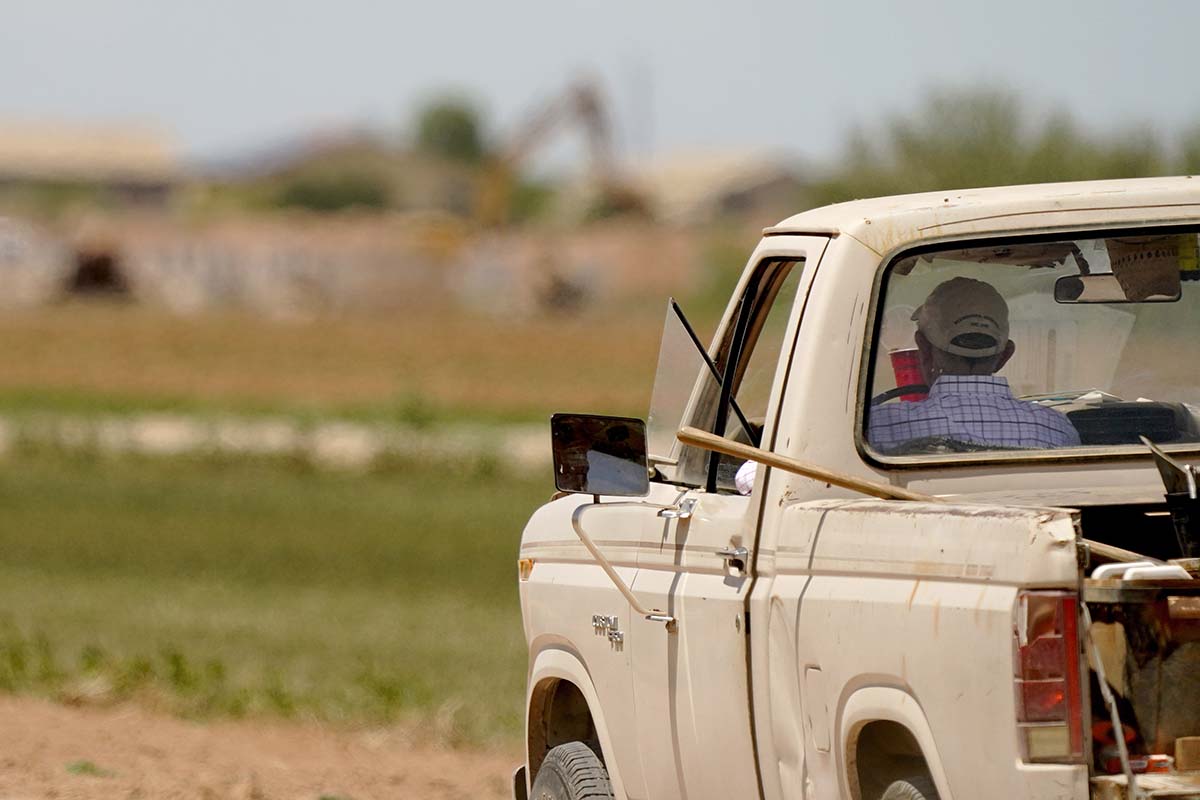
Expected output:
(920, 521)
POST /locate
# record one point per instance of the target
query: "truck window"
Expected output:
(764, 342)
(694, 400)
(1067, 344)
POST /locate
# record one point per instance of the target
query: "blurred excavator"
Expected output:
(583, 104)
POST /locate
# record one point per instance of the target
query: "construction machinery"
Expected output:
(582, 103)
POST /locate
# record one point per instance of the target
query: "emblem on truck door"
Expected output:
(610, 627)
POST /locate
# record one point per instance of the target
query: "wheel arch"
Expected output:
(886, 725)
(562, 705)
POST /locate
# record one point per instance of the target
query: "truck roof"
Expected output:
(887, 223)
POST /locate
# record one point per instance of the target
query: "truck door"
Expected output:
(691, 687)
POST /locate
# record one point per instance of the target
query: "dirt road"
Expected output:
(53, 751)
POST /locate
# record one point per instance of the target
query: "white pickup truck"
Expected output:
(919, 522)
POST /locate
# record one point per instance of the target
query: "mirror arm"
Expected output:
(1084, 267)
(610, 570)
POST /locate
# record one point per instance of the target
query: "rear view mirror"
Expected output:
(1106, 288)
(599, 455)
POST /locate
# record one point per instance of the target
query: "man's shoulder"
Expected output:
(1052, 419)
(895, 412)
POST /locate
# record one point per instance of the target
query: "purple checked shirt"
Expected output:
(979, 409)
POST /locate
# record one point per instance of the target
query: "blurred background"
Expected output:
(290, 290)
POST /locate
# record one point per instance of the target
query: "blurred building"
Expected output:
(45, 166)
(342, 169)
(33, 264)
(349, 222)
(696, 188)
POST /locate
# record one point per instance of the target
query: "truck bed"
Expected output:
(1147, 635)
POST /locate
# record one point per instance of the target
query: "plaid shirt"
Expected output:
(979, 409)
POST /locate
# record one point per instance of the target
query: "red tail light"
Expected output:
(1048, 689)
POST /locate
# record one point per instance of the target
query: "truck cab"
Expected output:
(917, 522)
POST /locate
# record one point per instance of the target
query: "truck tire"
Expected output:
(572, 771)
(917, 787)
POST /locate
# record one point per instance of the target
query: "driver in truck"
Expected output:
(962, 338)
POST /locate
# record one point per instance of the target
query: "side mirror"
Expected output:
(600, 455)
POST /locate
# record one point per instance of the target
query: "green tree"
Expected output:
(965, 138)
(334, 192)
(451, 128)
(1191, 152)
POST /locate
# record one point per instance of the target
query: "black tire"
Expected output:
(572, 771)
(917, 787)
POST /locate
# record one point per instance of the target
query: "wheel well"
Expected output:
(558, 713)
(882, 752)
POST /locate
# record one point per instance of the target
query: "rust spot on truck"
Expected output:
(913, 594)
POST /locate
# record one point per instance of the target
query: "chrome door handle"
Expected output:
(682, 511)
(734, 554)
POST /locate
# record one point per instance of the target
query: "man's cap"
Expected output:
(965, 317)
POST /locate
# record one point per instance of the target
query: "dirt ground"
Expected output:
(53, 751)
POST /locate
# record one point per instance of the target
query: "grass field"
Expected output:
(212, 587)
(215, 588)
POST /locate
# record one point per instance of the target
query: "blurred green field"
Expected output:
(210, 586)
(263, 587)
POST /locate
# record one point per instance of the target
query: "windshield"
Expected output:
(1073, 343)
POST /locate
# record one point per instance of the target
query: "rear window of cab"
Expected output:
(1024, 347)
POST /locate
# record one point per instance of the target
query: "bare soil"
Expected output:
(53, 751)
(452, 360)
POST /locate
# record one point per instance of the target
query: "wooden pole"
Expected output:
(719, 444)
(707, 441)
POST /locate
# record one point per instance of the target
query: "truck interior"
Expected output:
(1100, 324)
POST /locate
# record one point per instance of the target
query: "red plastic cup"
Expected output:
(906, 364)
